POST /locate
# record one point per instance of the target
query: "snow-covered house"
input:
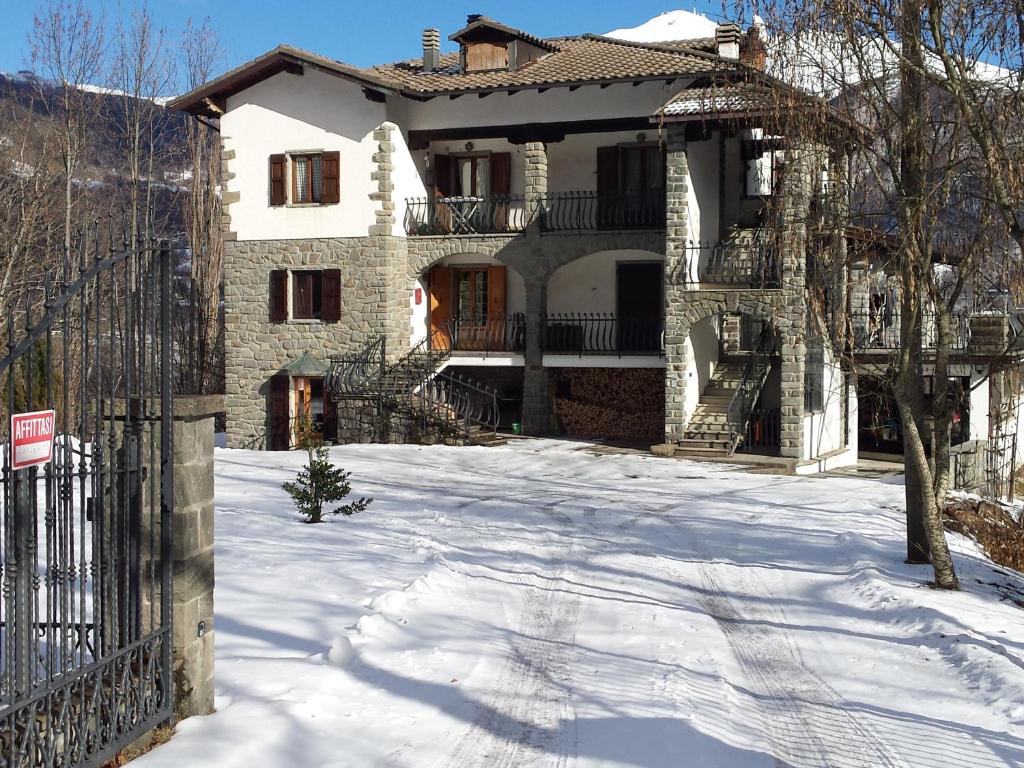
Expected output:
(577, 233)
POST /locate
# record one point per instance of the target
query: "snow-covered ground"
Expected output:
(542, 605)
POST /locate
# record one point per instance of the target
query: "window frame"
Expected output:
(308, 155)
(316, 311)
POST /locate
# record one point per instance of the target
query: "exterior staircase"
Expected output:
(719, 423)
(708, 432)
(439, 403)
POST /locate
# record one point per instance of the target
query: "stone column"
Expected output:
(193, 570)
(381, 174)
(792, 321)
(535, 183)
(536, 399)
(677, 184)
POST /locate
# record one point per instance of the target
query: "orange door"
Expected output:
(440, 308)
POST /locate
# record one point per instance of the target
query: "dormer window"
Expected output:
(486, 45)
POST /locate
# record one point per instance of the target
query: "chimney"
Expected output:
(473, 17)
(431, 49)
(754, 52)
(727, 38)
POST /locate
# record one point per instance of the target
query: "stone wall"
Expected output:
(372, 305)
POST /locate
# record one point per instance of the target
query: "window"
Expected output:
(305, 178)
(472, 176)
(305, 294)
(763, 162)
(471, 295)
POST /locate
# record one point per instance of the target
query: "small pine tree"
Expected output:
(320, 483)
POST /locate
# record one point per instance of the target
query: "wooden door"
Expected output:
(440, 307)
(278, 432)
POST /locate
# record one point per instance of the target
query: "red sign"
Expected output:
(31, 439)
(419, 296)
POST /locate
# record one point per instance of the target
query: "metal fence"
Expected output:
(879, 329)
(747, 260)
(504, 333)
(464, 215)
(598, 333)
(573, 211)
(85, 618)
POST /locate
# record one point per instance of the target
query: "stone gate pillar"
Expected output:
(193, 570)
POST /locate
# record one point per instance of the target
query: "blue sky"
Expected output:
(358, 32)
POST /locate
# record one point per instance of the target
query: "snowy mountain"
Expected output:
(672, 25)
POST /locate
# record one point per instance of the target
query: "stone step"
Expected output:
(685, 450)
(711, 445)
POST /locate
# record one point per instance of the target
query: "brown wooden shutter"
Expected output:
(278, 433)
(495, 292)
(440, 307)
(332, 178)
(442, 175)
(278, 295)
(277, 188)
(501, 173)
(330, 417)
(330, 311)
(607, 170)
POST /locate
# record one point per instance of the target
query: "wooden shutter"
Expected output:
(501, 173)
(501, 184)
(330, 417)
(440, 307)
(607, 170)
(495, 292)
(442, 175)
(278, 433)
(607, 187)
(277, 188)
(330, 311)
(442, 188)
(332, 178)
(278, 295)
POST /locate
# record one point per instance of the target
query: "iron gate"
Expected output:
(85, 614)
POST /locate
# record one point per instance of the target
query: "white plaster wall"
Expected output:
(702, 159)
(572, 162)
(701, 358)
(289, 113)
(406, 178)
(588, 284)
(823, 432)
(980, 406)
(556, 104)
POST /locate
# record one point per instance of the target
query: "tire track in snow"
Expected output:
(528, 718)
(809, 726)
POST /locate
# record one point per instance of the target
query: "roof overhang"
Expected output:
(210, 99)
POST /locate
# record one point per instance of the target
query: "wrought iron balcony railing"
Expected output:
(574, 211)
(749, 257)
(878, 328)
(466, 215)
(580, 333)
(505, 333)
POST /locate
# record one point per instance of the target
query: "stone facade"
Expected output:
(379, 272)
(255, 349)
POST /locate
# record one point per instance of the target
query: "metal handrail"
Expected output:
(879, 328)
(584, 210)
(741, 405)
(748, 257)
(602, 333)
(503, 333)
(466, 214)
(350, 376)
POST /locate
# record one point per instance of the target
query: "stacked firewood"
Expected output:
(610, 402)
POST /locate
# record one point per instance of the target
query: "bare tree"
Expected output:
(932, 176)
(68, 45)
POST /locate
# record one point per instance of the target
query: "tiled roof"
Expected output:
(731, 98)
(578, 60)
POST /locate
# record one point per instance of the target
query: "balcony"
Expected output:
(575, 333)
(878, 329)
(586, 333)
(748, 258)
(578, 211)
(555, 212)
(465, 215)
